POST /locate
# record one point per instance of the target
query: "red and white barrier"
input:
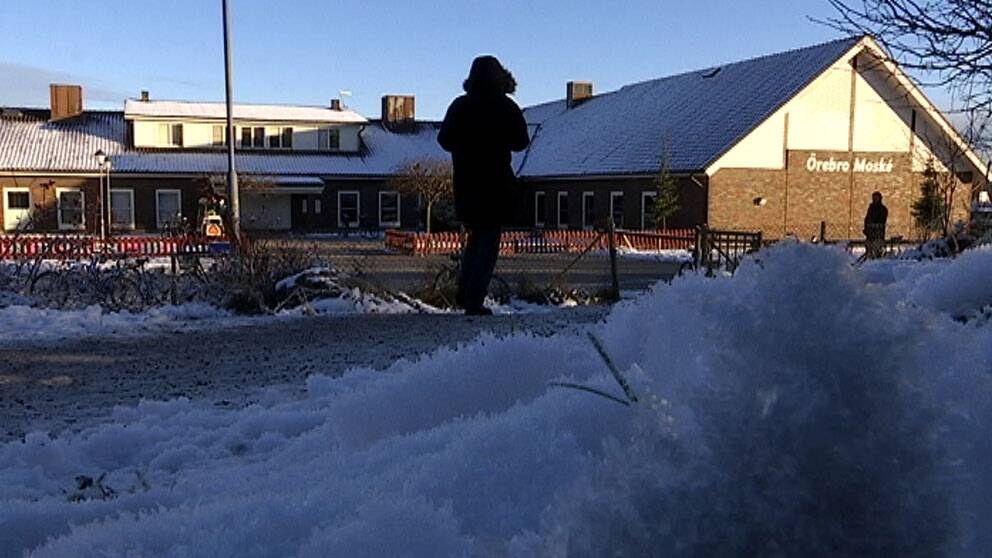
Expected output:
(543, 242)
(63, 247)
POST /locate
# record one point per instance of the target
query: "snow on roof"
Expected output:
(28, 142)
(695, 116)
(265, 113)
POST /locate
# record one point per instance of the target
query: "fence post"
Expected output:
(823, 232)
(172, 290)
(614, 274)
(700, 245)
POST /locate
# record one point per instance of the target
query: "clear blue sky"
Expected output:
(305, 51)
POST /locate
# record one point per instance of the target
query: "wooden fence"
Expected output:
(83, 246)
(543, 242)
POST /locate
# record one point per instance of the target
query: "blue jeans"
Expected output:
(478, 263)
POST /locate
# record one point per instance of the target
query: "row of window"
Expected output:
(350, 209)
(71, 208)
(251, 137)
(589, 209)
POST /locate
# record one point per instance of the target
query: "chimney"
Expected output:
(144, 95)
(577, 92)
(336, 104)
(67, 101)
(398, 112)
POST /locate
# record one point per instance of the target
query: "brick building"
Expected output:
(778, 144)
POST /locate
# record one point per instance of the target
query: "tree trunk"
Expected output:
(429, 205)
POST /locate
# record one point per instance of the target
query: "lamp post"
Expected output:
(101, 161)
(110, 205)
(233, 197)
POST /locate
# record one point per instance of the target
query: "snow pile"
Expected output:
(794, 409)
(22, 322)
(674, 256)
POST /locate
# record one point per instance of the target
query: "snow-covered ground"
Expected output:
(804, 406)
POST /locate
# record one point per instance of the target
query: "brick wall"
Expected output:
(44, 191)
(797, 199)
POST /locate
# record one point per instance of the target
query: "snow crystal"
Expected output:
(802, 407)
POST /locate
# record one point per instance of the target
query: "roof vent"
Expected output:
(144, 95)
(577, 92)
(712, 72)
(67, 101)
(336, 104)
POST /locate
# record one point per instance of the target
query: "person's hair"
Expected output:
(874, 194)
(489, 76)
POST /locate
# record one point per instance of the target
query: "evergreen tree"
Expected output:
(666, 203)
(929, 209)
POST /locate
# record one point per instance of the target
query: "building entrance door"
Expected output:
(307, 213)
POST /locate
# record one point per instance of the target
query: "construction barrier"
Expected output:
(543, 242)
(66, 247)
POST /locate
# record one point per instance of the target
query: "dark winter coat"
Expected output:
(875, 220)
(481, 130)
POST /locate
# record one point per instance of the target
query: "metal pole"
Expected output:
(233, 203)
(612, 243)
(110, 207)
(103, 205)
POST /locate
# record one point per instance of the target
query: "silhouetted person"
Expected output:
(874, 230)
(481, 129)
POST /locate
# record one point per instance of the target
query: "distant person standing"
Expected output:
(874, 230)
(481, 129)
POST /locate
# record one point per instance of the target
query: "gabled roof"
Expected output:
(218, 111)
(690, 118)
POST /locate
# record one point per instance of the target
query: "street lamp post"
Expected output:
(101, 162)
(233, 201)
(110, 200)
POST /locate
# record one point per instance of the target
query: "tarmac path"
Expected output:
(71, 384)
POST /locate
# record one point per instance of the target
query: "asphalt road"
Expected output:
(72, 384)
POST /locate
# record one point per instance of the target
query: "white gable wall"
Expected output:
(819, 118)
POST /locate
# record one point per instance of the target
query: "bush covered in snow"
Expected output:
(802, 407)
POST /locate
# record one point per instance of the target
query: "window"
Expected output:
(18, 199)
(329, 139)
(259, 137)
(219, 136)
(389, 209)
(246, 137)
(71, 209)
(588, 210)
(616, 209)
(317, 206)
(304, 204)
(647, 210)
(17, 208)
(170, 135)
(539, 209)
(281, 138)
(562, 210)
(168, 208)
(122, 209)
(348, 209)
